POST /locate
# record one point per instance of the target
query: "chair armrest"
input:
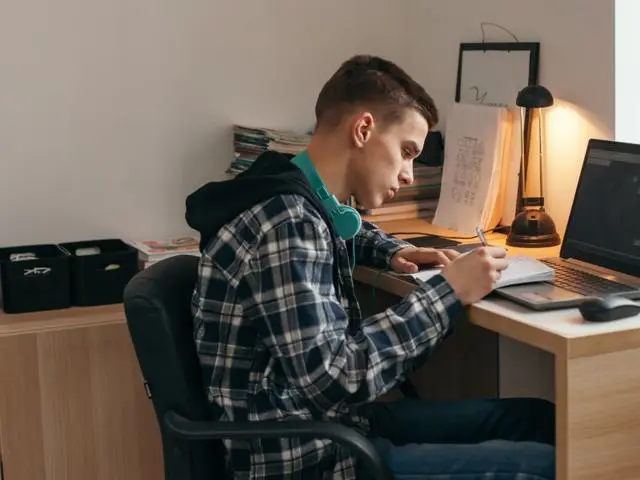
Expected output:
(189, 430)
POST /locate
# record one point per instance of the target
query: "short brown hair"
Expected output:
(375, 83)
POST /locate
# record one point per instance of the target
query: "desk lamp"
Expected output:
(532, 226)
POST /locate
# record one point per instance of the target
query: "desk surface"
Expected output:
(559, 331)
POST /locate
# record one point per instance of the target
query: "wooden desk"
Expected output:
(72, 400)
(597, 382)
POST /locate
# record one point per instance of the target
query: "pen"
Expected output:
(481, 236)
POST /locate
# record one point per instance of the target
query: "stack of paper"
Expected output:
(251, 142)
(152, 251)
(418, 200)
(476, 157)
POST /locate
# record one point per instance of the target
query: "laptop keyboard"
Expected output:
(582, 282)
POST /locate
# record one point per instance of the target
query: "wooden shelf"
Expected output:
(15, 324)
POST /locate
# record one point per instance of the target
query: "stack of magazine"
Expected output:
(251, 142)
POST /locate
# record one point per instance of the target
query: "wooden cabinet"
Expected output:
(72, 400)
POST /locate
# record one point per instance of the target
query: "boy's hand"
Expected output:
(409, 260)
(473, 276)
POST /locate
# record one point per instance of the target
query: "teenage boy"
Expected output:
(278, 328)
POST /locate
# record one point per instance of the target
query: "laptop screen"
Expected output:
(604, 224)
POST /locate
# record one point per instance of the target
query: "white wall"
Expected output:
(111, 112)
(627, 70)
(576, 64)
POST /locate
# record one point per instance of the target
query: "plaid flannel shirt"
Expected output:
(275, 342)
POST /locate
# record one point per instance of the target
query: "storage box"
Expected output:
(34, 278)
(100, 270)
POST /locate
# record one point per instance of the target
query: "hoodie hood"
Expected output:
(217, 203)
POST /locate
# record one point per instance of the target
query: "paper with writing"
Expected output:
(472, 175)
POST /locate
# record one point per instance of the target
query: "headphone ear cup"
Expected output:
(347, 221)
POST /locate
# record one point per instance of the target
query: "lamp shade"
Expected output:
(534, 96)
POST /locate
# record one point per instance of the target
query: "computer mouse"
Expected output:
(606, 309)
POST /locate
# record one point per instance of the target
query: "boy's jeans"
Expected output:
(501, 439)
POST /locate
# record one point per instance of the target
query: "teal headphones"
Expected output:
(346, 220)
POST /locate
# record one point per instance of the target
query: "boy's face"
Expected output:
(382, 161)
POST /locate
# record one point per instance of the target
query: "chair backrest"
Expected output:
(157, 304)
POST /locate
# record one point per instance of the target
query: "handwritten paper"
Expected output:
(475, 142)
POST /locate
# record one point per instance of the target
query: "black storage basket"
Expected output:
(100, 278)
(34, 278)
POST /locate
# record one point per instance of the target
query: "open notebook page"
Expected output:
(521, 269)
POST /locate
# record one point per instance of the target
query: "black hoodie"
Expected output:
(215, 204)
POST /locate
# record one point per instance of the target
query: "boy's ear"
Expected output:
(363, 127)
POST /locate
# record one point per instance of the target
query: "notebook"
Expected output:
(476, 160)
(521, 270)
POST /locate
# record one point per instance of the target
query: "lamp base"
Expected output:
(533, 228)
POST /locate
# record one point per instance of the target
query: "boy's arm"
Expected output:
(293, 306)
(374, 248)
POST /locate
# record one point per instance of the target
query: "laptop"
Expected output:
(600, 252)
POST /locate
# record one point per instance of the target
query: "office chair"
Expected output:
(157, 304)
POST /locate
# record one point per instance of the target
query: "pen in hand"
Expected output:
(483, 239)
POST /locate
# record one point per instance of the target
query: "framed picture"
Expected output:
(494, 73)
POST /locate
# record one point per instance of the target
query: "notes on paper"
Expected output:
(475, 165)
